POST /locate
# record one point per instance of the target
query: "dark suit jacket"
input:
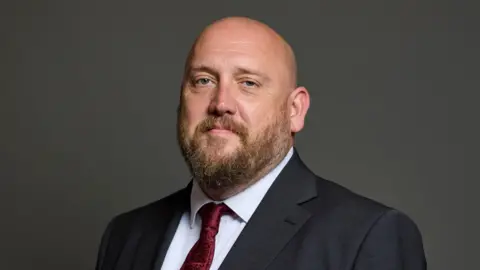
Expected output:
(303, 222)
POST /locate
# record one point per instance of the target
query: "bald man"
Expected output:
(252, 203)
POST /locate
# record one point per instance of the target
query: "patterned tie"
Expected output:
(200, 256)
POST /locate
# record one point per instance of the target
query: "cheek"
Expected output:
(193, 115)
(251, 113)
(258, 113)
(191, 121)
(265, 120)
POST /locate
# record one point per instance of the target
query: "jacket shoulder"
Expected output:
(345, 210)
(340, 196)
(128, 226)
(145, 212)
(342, 204)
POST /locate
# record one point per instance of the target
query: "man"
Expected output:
(240, 108)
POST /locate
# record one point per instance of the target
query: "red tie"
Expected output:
(200, 256)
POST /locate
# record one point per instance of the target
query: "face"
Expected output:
(234, 113)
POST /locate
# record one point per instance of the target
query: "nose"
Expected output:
(223, 102)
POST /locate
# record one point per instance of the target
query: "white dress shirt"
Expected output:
(243, 204)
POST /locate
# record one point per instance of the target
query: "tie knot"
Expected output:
(202, 253)
(211, 214)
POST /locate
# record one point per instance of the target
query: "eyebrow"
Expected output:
(243, 71)
(203, 68)
(238, 71)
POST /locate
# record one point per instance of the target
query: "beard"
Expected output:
(218, 171)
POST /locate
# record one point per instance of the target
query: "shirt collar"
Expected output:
(244, 203)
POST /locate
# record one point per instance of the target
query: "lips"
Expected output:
(219, 129)
(221, 126)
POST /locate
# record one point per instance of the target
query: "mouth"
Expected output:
(219, 130)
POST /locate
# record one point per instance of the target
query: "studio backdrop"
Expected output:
(89, 92)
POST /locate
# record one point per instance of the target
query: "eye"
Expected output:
(249, 83)
(203, 81)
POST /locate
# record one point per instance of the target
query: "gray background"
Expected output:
(89, 91)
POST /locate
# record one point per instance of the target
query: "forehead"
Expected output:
(223, 49)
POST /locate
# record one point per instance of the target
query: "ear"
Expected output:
(300, 102)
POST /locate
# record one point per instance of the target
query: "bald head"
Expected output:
(247, 32)
(240, 104)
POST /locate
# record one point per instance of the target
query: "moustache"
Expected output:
(222, 122)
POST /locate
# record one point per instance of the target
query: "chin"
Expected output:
(222, 148)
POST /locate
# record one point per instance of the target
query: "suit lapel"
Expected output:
(276, 220)
(168, 237)
(157, 232)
